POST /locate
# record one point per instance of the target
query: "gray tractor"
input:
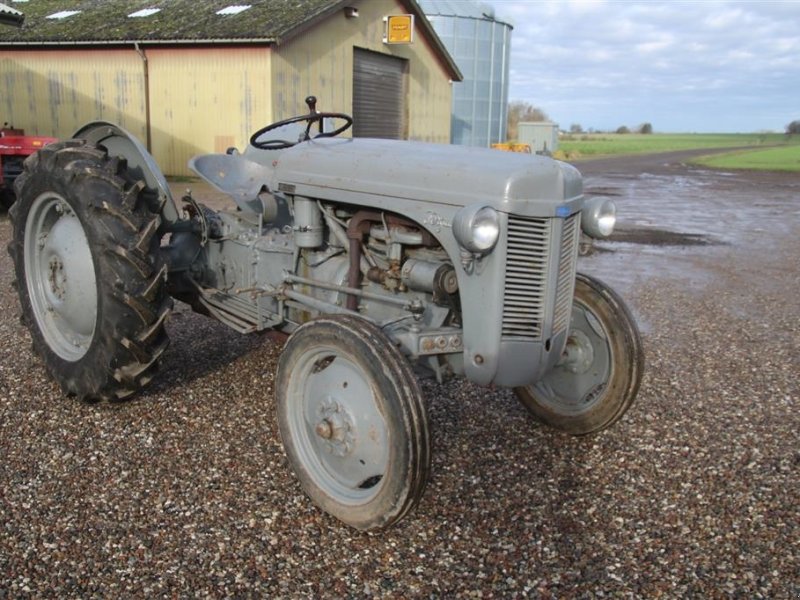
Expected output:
(382, 260)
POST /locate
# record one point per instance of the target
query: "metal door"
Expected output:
(379, 95)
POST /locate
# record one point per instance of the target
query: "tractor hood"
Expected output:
(340, 168)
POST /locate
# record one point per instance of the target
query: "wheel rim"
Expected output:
(60, 276)
(340, 434)
(579, 380)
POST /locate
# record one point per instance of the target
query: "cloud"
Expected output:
(719, 65)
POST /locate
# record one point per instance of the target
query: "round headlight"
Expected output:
(477, 228)
(598, 217)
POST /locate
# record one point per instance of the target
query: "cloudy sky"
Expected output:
(704, 65)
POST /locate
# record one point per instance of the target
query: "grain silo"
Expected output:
(480, 44)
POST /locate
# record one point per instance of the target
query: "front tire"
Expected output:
(89, 274)
(601, 369)
(353, 421)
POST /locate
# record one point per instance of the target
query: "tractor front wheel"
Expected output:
(353, 421)
(599, 374)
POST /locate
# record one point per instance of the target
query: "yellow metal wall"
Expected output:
(54, 92)
(320, 62)
(205, 100)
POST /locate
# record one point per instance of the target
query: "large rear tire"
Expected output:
(353, 421)
(90, 277)
(599, 374)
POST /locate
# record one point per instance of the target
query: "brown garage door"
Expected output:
(379, 95)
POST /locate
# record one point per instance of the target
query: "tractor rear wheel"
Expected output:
(90, 277)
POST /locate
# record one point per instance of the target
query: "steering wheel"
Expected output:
(312, 117)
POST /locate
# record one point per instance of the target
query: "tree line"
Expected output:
(520, 111)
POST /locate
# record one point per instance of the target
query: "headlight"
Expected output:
(477, 228)
(598, 217)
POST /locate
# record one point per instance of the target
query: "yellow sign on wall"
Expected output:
(398, 29)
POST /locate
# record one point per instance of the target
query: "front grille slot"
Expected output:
(525, 301)
(567, 263)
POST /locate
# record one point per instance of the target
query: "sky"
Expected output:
(683, 66)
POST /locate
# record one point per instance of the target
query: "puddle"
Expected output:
(675, 221)
(660, 237)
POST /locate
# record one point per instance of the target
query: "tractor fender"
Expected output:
(141, 164)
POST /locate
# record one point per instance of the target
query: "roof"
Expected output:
(10, 16)
(176, 20)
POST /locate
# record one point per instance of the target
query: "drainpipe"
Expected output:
(146, 71)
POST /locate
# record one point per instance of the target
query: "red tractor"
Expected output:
(15, 147)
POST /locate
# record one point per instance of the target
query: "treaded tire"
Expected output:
(353, 421)
(597, 390)
(93, 287)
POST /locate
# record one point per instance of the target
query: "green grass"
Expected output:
(783, 158)
(609, 144)
(782, 153)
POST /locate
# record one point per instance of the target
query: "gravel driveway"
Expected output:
(185, 491)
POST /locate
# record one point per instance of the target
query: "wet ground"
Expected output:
(677, 220)
(185, 491)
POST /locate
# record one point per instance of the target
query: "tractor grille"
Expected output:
(525, 293)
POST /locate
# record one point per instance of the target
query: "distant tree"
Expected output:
(575, 128)
(520, 111)
(793, 128)
(645, 128)
(623, 129)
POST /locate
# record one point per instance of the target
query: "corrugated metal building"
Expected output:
(480, 43)
(190, 77)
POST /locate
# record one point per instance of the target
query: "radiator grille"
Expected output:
(525, 293)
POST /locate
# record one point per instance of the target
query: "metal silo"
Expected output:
(480, 44)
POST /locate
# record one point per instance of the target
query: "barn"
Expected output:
(190, 77)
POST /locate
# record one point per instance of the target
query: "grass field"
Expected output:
(782, 154)
(782, 158)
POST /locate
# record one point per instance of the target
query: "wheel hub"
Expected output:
(578, 354)
(335, 428)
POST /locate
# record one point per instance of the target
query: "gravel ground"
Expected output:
(185, 491)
